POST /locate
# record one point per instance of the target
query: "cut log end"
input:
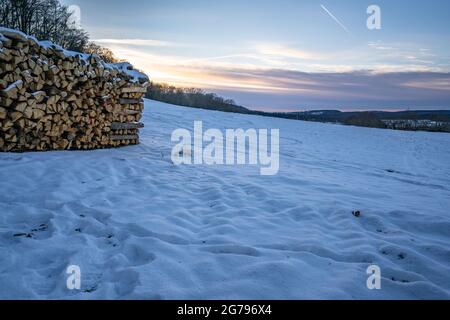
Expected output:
(50, 101)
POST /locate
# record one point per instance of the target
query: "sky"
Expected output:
(285, 55)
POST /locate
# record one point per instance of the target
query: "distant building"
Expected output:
(422, 124)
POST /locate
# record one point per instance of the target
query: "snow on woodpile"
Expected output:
(53, 99)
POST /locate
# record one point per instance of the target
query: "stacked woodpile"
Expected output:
(52, 99)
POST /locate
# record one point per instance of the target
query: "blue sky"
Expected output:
(286, 55)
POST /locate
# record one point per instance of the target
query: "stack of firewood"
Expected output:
(53, 99)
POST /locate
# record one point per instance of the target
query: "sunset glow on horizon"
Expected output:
(288, 55)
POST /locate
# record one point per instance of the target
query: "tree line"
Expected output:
(50, 20)
(192, 97)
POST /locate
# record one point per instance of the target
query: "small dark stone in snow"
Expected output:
(78, 230)
(356, 213)
(19, 234)
(90, 290)
(42, 227)
(396, 280)
(390, 171)
(401, 256)
(27, 235)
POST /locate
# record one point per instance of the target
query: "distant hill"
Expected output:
(341, 116)
(429, 120)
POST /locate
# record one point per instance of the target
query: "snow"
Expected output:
(126, 67)
(12, 33)
(136, 76)
(140, 227)
(13, 85)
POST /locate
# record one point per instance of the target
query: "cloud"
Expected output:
(135, 42)
(362, 89)
(283, 51)
(379, 46)
(404, 51)
(271, 76)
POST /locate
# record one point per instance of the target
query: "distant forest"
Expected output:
(192, 97)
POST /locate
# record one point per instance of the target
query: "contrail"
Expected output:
(335, 19)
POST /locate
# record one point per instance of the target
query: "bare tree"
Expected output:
(44, 19)
(106, 54)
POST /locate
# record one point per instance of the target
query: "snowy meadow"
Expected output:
(140, 226)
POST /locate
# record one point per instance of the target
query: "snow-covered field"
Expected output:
(140, 227)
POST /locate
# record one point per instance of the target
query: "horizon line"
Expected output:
(287, 110)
